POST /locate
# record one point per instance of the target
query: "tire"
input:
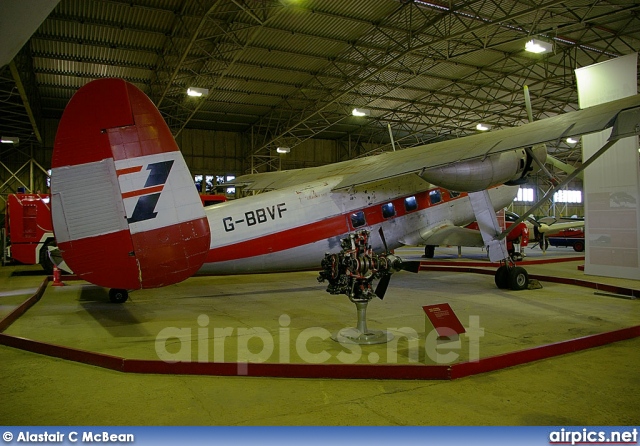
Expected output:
(578, 246)
(45, 260)
(429, 251)
(118, 296)
(502, 277)
(518, 278)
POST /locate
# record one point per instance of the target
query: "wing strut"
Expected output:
(508, 275)
(553, 188)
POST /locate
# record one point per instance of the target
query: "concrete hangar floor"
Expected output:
(596, 386)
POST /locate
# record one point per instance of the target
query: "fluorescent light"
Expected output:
(483, 127)
(9, 140)
(197, 92)
(538, 46)
(283, 150)
(571, 141)
(361, 112)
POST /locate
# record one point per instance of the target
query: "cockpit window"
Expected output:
(357, 219)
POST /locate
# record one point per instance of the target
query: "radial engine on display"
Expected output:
(351, 272)
(356, 266)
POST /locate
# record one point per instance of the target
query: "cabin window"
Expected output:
(454, 194)
(410, 204)
(357, 219)
(435, 196)
(388, 210)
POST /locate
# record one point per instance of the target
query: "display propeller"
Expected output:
(383, 283)
(396, 263)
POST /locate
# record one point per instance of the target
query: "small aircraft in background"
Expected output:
(126, 214)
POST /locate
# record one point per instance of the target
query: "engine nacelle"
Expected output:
(510, 167)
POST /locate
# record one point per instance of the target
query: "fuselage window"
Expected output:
(410, 204)
(454, 194)
(388, 210)
(435, 196)
(357, 219)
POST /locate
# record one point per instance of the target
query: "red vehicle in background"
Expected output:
(28, 231)
(572, 237)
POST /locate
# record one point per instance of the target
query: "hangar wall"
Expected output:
(206, 152)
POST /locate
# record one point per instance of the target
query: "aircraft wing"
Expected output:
(557, 227)
(452, 235)
(476, 147)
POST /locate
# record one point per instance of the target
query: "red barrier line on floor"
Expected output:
(563, 280)
(586, 284)
(62, 352)
(335, 371)
(24, 306)
(542, 352)
(488, 264)
(289, 370)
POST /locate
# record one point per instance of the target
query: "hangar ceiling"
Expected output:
(284, 71)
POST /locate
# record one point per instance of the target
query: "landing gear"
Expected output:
(118, 296)
(429, 251)
(518, 278)
(512, 277)
(502, 277)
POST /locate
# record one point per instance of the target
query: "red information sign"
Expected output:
(443, 319)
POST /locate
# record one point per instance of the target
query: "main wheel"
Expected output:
(518, 278)
(578, 246)
(502, 277)
(429, 251)
(118, 296)
(45, 260)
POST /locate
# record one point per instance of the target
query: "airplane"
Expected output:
(126, 214)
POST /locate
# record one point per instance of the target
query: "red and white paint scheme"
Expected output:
(125, 211)
(292, 228)
(126, 214)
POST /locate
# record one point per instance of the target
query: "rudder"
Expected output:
(126, 213)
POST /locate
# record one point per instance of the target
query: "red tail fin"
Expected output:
(126, 213)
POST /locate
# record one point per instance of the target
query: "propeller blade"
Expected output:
(383, 284)
(384, 241)
(412, 266)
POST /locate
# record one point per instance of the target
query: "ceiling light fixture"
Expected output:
(283, 150)
(571, 140)
(197, 92)
(483, 127)
(361, 112)
(538, 46)
(9, 140)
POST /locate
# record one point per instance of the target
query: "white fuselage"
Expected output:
(292, 228)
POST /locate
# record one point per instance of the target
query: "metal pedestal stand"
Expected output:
(362, 335)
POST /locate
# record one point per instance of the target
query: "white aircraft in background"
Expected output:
(127, 216)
